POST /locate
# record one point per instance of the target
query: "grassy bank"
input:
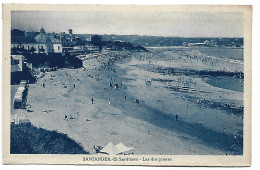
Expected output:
(27, 139)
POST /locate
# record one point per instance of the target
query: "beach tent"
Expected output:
(122, 148)
(110, 149)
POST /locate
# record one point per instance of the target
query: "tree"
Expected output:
(96, 40)
(32, 50)
(42, 49)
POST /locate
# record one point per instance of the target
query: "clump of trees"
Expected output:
(96, 40)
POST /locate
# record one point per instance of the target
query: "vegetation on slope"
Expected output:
(27, 139)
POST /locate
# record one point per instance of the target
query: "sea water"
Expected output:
(203, 86)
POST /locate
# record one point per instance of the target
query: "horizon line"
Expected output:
(169, 36)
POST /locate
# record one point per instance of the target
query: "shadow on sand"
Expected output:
(206, 136)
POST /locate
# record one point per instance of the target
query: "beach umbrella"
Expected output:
(122, 148)
(110, 149)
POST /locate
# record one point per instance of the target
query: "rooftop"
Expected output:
(42, 38)
(22, 39)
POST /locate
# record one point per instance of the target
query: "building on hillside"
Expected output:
(42, 43)
(23, 44)
(68, 40)
(70, 31)
(57, 46)
(17, 32)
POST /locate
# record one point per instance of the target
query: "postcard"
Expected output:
(127, 84)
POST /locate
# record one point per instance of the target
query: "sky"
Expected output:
(177, 24)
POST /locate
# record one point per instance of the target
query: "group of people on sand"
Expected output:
(112, 83)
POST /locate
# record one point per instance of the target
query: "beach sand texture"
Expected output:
(149, 127)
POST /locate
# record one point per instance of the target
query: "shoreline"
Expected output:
(192, 47)
(114, 120)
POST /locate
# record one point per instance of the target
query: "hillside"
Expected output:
(27, 139)
(152, 41)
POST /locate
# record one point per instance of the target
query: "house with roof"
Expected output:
(23, 43)
(42, 43)
(57, 46)
(68, 40)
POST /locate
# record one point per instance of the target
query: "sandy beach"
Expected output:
(114, 116)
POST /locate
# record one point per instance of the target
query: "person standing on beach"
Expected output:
(232, 148)
(74, 86)
(66, 118)
(109, 101)
(43, 85)
(92, 100)
(176, 117)
(125, 98)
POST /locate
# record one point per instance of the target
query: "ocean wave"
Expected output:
(223, 59)
(214, 73)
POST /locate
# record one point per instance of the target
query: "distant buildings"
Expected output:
(57, 45)
(44, 43)
(68, 40)
(41, 43)
(17, 32)
(206, 43)
(216, 42)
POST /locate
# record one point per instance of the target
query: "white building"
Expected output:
(42, 43)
